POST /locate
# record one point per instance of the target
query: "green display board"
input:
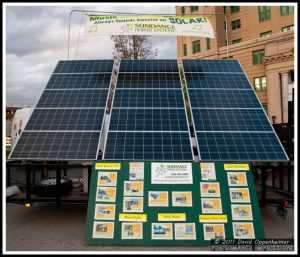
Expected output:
(175, 204)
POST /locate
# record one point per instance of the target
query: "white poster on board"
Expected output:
(171, 173)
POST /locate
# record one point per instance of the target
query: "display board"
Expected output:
(171, 203)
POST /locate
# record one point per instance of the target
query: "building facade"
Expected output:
(261, 38)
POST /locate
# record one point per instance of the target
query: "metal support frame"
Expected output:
(89, 11)
(58, 184)
(89, 177)
(28, 184)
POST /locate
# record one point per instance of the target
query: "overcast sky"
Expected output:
(36, 39)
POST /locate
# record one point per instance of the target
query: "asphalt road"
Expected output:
(44, 227)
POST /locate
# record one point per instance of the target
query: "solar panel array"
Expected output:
(148, 119)
(67, 120)
(229, 121)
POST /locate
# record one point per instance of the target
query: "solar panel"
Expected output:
(79, 81)
(50, 145)
(217, 80)
(157, 65)
(152, 98)
(67, 120)
(149, 80)
(84, 66)
(239, 146)
(229, 120)
(148, 146)
(148, 119)
(73, 98)
(209, 65)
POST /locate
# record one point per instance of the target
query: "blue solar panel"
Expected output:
(223, 98)
(156, 65)
(228, 118)
(67, 120)
(148, 146)
(149, 80)
(148, 98)
(73, 98)
(231, 120)
(217, 80)
(84, 66)
(239, 146)
(57, 146)
(206, 65)
(79, 81)
(148, 112)
(148, 120)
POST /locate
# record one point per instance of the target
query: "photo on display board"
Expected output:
(182, 199)
(133, 204)
(103, 229)
(105, 211)
(239, 195)
(106, 194)
(211, 205)
(185, 231)
(208, 171)
(158, 198)
(132, 230)
(133, 188)
(107, 178)
(213, 231)
(136, 171)
(211, 189)
(162, 231)
(241, 212)
(237, 179)
(243, 230)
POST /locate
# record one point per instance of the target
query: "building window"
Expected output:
(236, 41)
(208, 43)
(264, 13)
(286, 10)
(236, 24)
(234, 9)
(265, 106)
(267, 33)
(196, 46)
(260, 84)
(229, 57)
(182, 10)
(257, 56)
(184, 50)
(194, 8)
(287, 28)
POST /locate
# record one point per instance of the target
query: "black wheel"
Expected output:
(47, 187)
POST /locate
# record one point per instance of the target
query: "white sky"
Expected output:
(37, 36)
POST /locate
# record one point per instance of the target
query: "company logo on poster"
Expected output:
(171, 173)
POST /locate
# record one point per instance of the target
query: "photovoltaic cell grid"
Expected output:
(67, 120)
(148, 119)
(229, 121)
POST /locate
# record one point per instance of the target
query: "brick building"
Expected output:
(261, 38)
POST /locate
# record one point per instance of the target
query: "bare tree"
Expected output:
(133, 47)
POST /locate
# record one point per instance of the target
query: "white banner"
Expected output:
(106, 25)
(171, 173)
